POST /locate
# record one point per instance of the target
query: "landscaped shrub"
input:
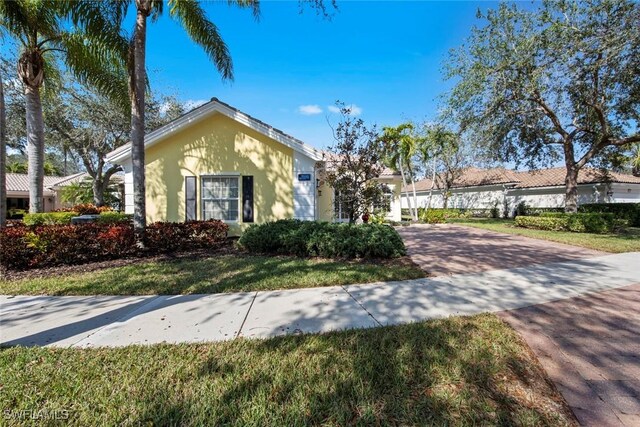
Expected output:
(168, 236)
(86, 209)
(24, 247)
(49, 218)
(111, 217)
(579, 222)
(623, 211)
(330, 240)
(438, 215)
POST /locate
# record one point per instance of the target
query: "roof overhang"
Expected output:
(122, 154)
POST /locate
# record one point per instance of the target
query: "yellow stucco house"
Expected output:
(218, 162)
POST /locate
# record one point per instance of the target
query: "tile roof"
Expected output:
(553, 177)
(19, 182)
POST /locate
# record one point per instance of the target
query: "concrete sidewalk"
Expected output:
(120, 321)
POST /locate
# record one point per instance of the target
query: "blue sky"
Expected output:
(384, 57)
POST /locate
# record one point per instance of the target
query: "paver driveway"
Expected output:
(453, 249)
(590, 347)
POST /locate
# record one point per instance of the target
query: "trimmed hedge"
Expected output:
(439, 215)
(624, 211)
(114, 218)
(48, 218)
(24, 247)
(64, 218)
(323, 239)
(579, 222)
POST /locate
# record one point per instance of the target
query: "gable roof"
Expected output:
(215, 106)
(553, 177)
(19, 182)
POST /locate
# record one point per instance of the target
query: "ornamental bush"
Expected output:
(24, 247)
(622, 211)
(438, 215)
(578, 222)
(48, 218)
(323, 239)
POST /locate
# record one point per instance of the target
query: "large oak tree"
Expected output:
(561, 80)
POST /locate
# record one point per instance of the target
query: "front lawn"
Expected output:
(455, 371)
(626, 241)
(212, 274)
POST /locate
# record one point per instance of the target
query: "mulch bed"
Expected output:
(228, 248)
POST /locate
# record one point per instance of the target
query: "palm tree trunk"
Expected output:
(3, 158)
(404, 184)
(415, 196)
(35, 148)
(137, 85)
(433, 183)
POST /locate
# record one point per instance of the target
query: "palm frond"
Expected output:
(95, 64)
(204, 33)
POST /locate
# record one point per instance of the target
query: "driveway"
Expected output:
(590, 347)
(447, 249)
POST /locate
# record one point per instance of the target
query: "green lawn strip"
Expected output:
(627, 241)
(226, 273)
(455, 371)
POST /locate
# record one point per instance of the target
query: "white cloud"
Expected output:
(355, 110)
(309, 110)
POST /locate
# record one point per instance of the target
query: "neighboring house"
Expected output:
(485, 188)
(18, 190)
(218, 162)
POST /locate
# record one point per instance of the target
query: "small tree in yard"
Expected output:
(561, 81)
(353, 164)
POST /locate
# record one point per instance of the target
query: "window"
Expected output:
(220, 198)
(385, 204)
(340, 212)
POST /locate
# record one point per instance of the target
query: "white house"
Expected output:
(485, 188)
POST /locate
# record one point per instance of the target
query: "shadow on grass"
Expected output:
(229, 273)
(469, 371)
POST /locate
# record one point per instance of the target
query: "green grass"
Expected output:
(456, 371)
(226, 273)
(626, 241)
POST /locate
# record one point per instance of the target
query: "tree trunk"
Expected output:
(433, 183)
(571, 179)
(35, 148)
(445, 199)
(404, 184)
(98, 187)
(571, 192)
(3, 158)
(137, 87)
(415, 196)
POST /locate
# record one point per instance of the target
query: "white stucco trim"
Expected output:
(123, 153)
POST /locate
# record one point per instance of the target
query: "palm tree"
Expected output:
(87, 51)
(204, 33)
(3, 157)
(400, 146)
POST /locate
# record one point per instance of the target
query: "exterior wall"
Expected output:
(217, 146)
(546, 197)
(325, 203)
(624, 193)
(475, 197)
(49, 200)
